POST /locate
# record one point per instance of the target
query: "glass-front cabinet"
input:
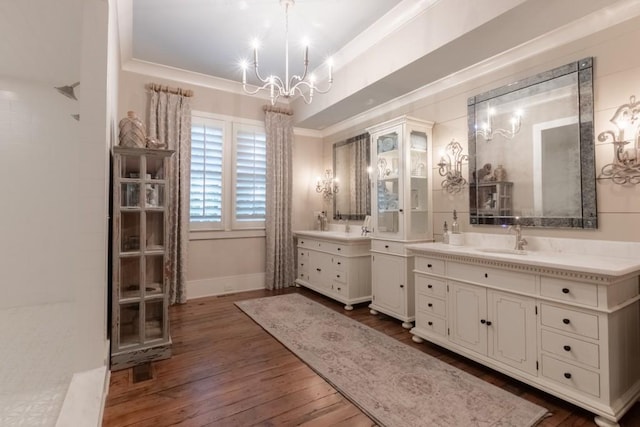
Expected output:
(139, 298)
(401, 179)
(401, 214)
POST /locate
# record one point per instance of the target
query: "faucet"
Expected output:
(521, 242)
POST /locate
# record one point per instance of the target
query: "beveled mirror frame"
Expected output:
(589, 219)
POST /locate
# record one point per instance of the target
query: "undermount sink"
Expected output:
(503, 251)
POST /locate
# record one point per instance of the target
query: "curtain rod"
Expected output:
(274, 109)
(176, 91)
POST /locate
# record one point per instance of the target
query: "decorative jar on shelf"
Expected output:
(132, 131)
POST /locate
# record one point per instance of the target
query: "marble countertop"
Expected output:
(583, 262)
(342, 236)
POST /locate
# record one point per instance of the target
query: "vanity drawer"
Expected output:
(566, 290)
(431, 305)
(387, 246)
(571, 349)
(433, 324)
(429, 286)
(340, 276)
(507, 280)
(304, 242)
(571, 376)
(339, 263)
(573, 321)
(430, 265)
(341, 288)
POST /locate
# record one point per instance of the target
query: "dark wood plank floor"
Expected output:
(227, 371)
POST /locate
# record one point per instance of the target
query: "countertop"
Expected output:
(333, 235)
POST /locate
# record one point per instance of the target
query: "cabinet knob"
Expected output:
(402, 286)
(567, 348)
(483, 321)
(488, 322)
(565, 290)
(486, 275)
(339, 288)
(338, 276)
(429, 305)
(430, 323)
(302, 241)
(429, 286)
(567, 375)
(302, 264)
(318, 269)
(339, 263)
(566, 321)
(339, 249)
(429, 265)
(386, 246)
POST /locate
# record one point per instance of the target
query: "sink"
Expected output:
(503, 251)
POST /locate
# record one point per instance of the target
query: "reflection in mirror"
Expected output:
(351, 164)
(531, 151)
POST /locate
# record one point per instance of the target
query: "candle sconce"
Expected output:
(487, 131)
(328, 185)
(451, 167)
(625, 168)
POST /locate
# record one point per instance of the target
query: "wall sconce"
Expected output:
(625, 168)
(328, 185)
(487, 131)
(451, 167)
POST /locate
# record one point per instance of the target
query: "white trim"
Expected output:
(224, 285)
(308, 132)
(84, 402)
(226, 118)
(212, 234)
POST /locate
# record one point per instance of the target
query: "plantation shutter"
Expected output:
(206, 171)
(251, 174)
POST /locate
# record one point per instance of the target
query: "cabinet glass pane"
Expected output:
(388, 187)
(129, 324)
(155, 231)
(418, 187)
(154, 274)
(155, 167)
(154, 317)
(154, 195)
(130, 277)
(130, 195)
(130, 167)
(130, 231)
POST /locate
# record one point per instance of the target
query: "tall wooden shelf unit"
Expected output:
(140, 295)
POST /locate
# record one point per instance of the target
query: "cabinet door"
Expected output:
(512, 333)
(389, 283)
(320, 269)
(387, 197)
(468, 308)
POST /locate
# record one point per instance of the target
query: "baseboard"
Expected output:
(84, 403)
(224, 285)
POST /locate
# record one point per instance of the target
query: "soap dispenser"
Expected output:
(445, 234)
(456, 238)
(455, 229)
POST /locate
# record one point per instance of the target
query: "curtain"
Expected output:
(359, 176)
(170, 122)
(280, 256)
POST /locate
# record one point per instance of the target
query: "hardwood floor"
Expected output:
(227, 371)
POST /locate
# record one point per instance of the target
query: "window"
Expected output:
(228, 173)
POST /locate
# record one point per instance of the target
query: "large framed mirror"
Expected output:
(531, 151)
(351, 169)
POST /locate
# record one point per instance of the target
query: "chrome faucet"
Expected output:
(521, 242)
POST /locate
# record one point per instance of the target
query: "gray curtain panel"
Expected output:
(279, 237)
(170, 122)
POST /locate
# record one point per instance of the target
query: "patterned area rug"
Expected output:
(392, 383)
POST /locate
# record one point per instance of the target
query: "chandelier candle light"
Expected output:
(487, 131)
(328, 185)
(288, 86)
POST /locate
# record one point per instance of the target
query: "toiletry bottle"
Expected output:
(455, 229)
(445, 234)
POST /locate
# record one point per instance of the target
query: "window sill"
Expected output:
(223, 234)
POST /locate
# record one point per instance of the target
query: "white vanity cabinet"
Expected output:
(335, 264)
(401, 211)
(558, 326)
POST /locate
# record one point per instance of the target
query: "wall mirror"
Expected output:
(350, 165)
(531, 151)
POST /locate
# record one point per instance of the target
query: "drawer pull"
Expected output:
(339, 263)
(566, 321)
(302, 241)
(429, 265)
(486, 275)
(429, 286)
(567, 348)
(430, 323)
(339, 288)
(565, 290)
(318, 269)
(429, 305)
(567, 375)
(302, 265)
(488, 322)
(339, 249)
(386, 246)
(338, 276)
(402, 286)
(483, 321)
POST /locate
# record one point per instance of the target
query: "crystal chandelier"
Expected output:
(303, 85)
